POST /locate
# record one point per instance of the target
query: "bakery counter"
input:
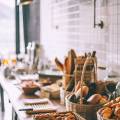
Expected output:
(17, 98)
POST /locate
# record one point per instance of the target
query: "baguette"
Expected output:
(71, 60)
(66, 66)
(66, 73)
(59, 64)
(69, 66)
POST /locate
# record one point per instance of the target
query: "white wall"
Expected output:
(7, 26)
(68, 24)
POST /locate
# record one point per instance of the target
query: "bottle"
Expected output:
(29, 51)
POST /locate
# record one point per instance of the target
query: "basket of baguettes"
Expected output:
(84, 100)
(110, 111)
(86, 93)
(73, 68)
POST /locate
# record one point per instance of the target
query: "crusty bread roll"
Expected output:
(94, 99)
(84, 91)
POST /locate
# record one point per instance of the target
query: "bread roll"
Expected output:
(103, 100)
(94, 99)
(85, 90)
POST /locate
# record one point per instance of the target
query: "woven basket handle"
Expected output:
(83, 74)
(95, 68)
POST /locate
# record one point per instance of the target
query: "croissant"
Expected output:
(116, 105)
(70, 117)
(109, 103)
(117, 111)
(106, 113)
(117, 99)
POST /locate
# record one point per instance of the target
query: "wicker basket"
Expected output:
(87, 111)
(79, 117)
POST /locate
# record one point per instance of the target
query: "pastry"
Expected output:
(111, 110)
(103, 100)
(106, 113)
(117, 111)
(56, 116)
(117, 99)
(109, 103)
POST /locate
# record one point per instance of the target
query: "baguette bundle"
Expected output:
(69, 65)
(67, 68)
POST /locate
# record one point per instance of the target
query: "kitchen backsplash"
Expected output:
(68, 24)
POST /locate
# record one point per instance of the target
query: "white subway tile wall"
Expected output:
(68, 24)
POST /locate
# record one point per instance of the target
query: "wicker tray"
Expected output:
(78, 117)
